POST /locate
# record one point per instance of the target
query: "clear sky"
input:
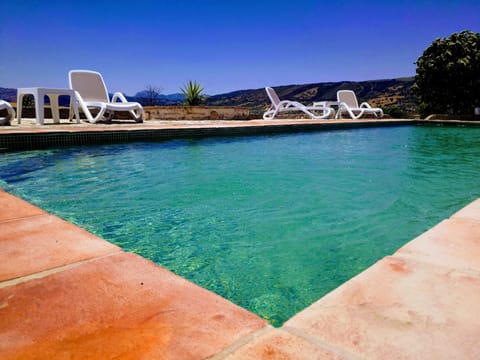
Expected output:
(224, 45)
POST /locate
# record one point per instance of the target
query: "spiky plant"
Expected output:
(193, 93)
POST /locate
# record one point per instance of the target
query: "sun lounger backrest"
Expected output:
(273, 96)
(348, 97)
(89, 84)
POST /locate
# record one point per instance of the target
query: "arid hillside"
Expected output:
(392, 94)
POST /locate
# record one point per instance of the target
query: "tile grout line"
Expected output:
(321, 343)
(244, 340)
(45, 273)
(24, 217)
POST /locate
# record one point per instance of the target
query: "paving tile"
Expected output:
(33, 244)
(12, 207)
(122, 307)
(471, 211)
(454, 243)
(278, 344)
(399, 309)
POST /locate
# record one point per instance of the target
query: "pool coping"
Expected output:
(415, 303)
(31, 137)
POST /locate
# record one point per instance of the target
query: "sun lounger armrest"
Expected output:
(10, 111)
(84, 107)
(79, 99)
(119, 96)
(365, 105)
(288, 104)
(283, 104)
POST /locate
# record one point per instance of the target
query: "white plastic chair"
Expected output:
(10, 112)
(279, 106)
(91, 92)
(347, 102)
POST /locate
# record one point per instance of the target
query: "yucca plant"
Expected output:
(193, 93)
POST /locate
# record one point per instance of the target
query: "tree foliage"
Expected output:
(395, 111)
(193, 93)
(448, 75)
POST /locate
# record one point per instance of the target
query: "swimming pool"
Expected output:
(270, 222)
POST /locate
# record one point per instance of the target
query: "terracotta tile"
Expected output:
(454, 243)
(12, 207)
(471, 211)
(121, 307)
(399, 309)
(278, 344)
(43, 242)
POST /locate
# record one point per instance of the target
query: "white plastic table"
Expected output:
(39, 96)
(325, 103)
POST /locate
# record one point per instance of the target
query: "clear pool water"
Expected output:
(271, 222)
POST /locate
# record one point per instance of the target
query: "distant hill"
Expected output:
(8, 94)
(390, 93)
(393, 95)
(170, 99)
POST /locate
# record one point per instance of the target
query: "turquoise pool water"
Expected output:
(271, 222)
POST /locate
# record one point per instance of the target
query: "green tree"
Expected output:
(395, 111)
(448, 75)
(193, 93)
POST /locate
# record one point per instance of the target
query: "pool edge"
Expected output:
(36, 137)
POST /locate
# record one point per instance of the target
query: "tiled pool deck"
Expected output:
(64, 293)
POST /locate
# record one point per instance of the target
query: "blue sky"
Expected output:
(224, 45)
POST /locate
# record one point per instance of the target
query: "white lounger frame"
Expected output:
(347, 102)
(279, 106)
(91, 92)
(10, 112)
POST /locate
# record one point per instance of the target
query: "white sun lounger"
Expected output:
(279, 106)
(347, 102)
(91, 92)
(4, 105)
